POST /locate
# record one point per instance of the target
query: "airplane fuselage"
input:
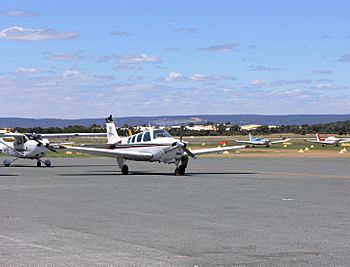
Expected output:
(161, 148)
(260, 141)
(29, 149)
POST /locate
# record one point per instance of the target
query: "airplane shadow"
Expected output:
(56, 166)
(118, 173)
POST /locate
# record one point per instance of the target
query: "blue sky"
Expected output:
(79, 59)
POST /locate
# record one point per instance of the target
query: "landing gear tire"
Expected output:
(7, 163)
(38, 163)
(47, 163)
(125, 169)
(181, 170)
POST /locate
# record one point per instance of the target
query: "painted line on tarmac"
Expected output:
(26, 244)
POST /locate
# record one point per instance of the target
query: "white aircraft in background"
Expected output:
(33, 146)
(154, 145)
(261, 141)
(331, 140)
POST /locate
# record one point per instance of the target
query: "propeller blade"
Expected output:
(189, 152)
(181, 132)
(52, 149)
(182, 146)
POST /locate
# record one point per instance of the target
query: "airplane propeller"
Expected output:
(182, 144)
(37, 138)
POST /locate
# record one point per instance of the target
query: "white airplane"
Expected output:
(331, 140)
(154, 145)
(261, 141)
(33, 146)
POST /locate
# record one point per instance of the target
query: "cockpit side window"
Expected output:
(129, 139)
(139, 137)
(160, 134)
(147, 137)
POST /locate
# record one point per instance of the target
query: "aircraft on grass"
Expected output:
(331, 140)
(153, 145)
(261, 141)
(33, 146)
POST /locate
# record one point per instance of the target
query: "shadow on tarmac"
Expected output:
(118, 173)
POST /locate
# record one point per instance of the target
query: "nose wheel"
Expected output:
(180, 170)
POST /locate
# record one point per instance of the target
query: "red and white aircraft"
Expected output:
(330, 140)
(154, 145)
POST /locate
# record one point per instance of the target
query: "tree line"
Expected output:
(338, 128)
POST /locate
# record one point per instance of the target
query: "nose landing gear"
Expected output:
(181, 169)
(47, 162)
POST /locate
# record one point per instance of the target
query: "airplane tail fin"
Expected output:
(112, 134)
(318, 137)
(250, 137)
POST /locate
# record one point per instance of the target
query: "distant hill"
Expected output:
(177, 120)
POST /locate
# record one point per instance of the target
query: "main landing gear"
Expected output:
(47, 162)
(8, 162)
(123, 167)
(181, 168)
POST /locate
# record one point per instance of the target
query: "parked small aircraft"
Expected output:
(33, 146)
(261, 141)
(331, 140)
(153, 145)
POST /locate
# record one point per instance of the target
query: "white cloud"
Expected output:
(197, 77)
(188, 29)
(31, 35)
(344, 58)
(262, 68)
(120, 33)
(137, 59)
(18, 13)
(331, 86)
(322, 72)
(23, 70)
(220, 48)
(177, 76)
(262, 83)
(64, 57)
(172, 49)
(258, 83)
(174, 76)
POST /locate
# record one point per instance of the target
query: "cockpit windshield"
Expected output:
(160, 134)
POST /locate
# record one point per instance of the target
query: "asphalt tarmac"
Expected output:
(224, 212)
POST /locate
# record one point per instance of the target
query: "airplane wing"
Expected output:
(14, 135)
(280, 141)
(244, 142)
(214, 150)
(114, 153)
(345, 140)
(19, 135)
(312, 141)
(73, 135)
